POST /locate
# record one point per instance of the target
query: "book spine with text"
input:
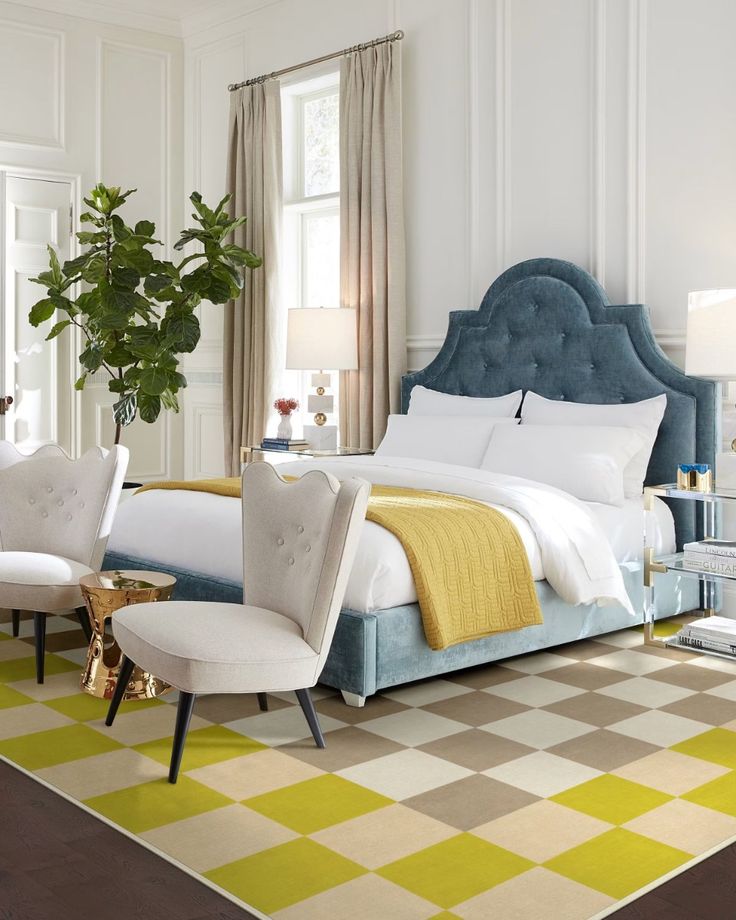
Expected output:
(710, 645)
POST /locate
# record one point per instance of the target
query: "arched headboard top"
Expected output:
(547, 325)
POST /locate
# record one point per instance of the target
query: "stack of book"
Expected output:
(713, 634)
(284, 444)
(715, 556)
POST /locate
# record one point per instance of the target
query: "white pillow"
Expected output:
(588, 462)
(424, 401)
(461, 441)
(644, 417)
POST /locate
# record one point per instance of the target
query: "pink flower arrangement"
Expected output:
(286, 405)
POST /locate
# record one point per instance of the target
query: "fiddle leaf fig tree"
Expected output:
(137, 312)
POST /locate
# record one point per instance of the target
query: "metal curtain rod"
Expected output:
(393, 37)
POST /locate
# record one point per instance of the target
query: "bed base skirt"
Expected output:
(371, 651)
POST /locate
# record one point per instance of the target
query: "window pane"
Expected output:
(321, 146)
(321, 265)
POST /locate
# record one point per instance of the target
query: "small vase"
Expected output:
(284, 429)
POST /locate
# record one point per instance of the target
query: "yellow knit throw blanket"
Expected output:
(470, 567)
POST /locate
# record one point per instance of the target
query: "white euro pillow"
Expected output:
(460, 441)
(585, 461)
(644, 417)
(424, 401)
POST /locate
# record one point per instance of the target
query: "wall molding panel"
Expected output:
(598, 141)
(636, 229)
(502, 126)
(35, 119)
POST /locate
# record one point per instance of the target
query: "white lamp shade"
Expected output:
(324, 338)
(710, 349)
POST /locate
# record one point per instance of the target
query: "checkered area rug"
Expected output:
(551, 785)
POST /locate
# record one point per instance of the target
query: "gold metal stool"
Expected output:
(104, 593)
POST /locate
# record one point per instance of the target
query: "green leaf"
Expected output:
(124, 410)
(145, 228)
(170, 401)
(41, 311)
(114, 320)
(116, 385)
(55, 267)
(154, 380)
(124, 278)
(118, 356)
(182, 332)
(79, 383)
(86, 237)
(177, 381)
(149, 407)
(119, 229)
(92, 357)
(139, 259)
(156, 283)
(73, 266)
(95, 270)
(57, 328)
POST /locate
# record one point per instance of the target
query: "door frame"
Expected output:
(75, 183)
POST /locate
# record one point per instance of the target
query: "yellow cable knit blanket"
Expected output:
(470, 567)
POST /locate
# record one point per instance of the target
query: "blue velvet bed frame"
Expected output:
(544, 325)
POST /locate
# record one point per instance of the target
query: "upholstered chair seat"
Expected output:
(40, 581)
(55, 518)
(299, 543)
(204, 647)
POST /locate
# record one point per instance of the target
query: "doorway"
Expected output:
(35, 213)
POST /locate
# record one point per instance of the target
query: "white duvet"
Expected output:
(576, 546)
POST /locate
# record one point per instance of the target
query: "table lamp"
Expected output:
(710, 347)
(319, 338)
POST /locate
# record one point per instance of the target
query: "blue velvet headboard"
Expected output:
(547, 325)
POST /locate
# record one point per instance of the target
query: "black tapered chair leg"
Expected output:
(262, 702)
(39, 631)
(183, 717)
(16, 623)
(124, 675)
(305, 701)
(83, 618)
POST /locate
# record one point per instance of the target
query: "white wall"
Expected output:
(105, 102)
(599, 131)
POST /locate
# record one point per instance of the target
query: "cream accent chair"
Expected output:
(55, 518)
(299, 543)
(10, 455)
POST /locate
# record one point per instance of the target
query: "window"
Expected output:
(311, 270)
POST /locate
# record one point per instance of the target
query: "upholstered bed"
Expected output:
(547, 326)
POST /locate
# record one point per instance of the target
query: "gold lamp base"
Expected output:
(320, 419)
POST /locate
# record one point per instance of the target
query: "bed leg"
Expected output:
(353, 699)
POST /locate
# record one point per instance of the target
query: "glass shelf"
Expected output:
(676, 563)
(670, 490)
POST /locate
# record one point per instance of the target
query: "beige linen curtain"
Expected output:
(372, 273)
(254, 324)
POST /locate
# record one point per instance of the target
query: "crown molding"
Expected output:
(101, 12)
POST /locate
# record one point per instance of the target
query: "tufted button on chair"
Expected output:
(44, 550)
(299, 543)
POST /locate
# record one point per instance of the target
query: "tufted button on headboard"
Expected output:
(547, 325)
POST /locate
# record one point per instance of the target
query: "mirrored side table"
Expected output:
(104, 593)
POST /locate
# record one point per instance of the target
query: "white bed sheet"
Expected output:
(201, 532)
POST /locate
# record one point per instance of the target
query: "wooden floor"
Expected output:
(705, 892)
(58, 862)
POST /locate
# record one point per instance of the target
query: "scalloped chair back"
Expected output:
(52, 504)
(299, 541)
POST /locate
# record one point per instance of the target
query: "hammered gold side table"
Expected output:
(104, 593)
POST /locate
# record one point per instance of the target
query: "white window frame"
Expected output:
(299, 207)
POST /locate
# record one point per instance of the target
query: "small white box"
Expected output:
(321, 437)
(321, 380)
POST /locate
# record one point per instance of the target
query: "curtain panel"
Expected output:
(254, 333)
(372, 256)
